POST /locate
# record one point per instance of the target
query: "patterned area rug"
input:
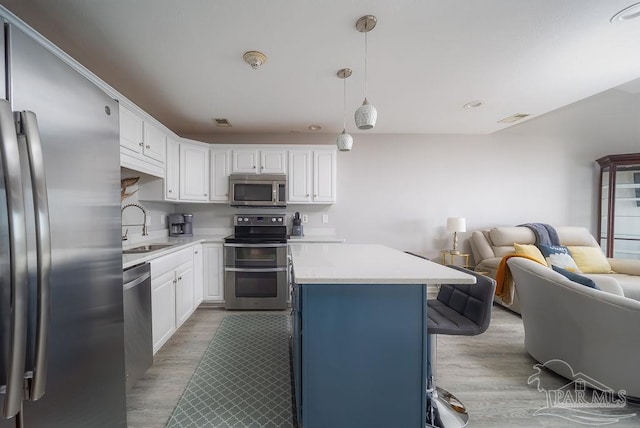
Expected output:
(243, 379)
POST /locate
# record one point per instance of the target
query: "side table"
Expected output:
(447, 254)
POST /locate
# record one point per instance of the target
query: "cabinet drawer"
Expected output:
(170, 261)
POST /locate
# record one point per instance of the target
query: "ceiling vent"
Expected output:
(513, 118)
(222, 123)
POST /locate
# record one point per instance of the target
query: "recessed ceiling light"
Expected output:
(513, 118)
(473, 104)
(222, 123)
(315, 127)
(626, 14)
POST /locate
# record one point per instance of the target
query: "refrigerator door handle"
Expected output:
(14, 391)
(29, 125)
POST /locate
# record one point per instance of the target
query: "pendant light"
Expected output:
(344, 141)
(367, 114)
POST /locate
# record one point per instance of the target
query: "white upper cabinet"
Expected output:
(142, 144)
(172, 174)
(312, 176)
(220, 170)
(155, 142)
(299, 178)
(131, 130)
(194, 172)
(324, 176)
(253, 161)
(273, 161)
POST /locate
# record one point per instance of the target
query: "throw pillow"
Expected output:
(557, 255)
(530, 250)
(576, 278)
(590, 259)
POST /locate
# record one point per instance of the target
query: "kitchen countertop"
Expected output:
(129, 260)
(313, 238)
(334, 263)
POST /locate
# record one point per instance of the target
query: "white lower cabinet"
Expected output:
(163, 303)
(198, 276)
(213, 273)
(184, 292)
(172, 294)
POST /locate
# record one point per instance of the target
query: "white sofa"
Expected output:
(490, 246)
(594, 331)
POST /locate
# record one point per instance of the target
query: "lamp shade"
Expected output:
(456, 224)
(366, 116)
(344, 142)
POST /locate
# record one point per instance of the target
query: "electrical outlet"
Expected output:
(305, 218)
(325, 218)
(162, 218)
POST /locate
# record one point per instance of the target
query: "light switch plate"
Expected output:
(325, 218)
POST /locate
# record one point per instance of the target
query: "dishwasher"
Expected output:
(138, 339)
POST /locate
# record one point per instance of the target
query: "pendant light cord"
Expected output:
(344, 104)
(365, 64)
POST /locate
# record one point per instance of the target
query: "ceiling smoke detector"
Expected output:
(254, 58)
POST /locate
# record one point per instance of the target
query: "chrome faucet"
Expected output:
(144, 221)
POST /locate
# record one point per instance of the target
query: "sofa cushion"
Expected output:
(590, 259)
(530, 250)
(629, 283)
(558, 255)
(575, 277)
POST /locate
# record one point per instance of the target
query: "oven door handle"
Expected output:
(278, 269)
(256, 245)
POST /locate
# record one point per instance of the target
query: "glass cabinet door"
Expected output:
(619, 212)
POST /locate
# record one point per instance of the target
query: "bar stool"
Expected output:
(459, 309)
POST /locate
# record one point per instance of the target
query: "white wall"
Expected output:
(398, 190)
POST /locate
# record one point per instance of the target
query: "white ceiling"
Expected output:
(181, 61)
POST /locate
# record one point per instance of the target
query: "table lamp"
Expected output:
(455, 225)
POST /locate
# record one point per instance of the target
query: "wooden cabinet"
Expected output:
(219, 175)
(172, 294)
(213, 273)
(194, 172)
(198, 275)
(142, 144)
(172, 174)
(312, 176)
(253, 161)
(619, 205)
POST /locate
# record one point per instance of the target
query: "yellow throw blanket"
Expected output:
(504, 281)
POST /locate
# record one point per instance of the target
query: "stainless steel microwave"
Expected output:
(258, 190)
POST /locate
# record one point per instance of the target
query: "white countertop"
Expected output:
(313, 238)
(129, 260)
(368, 264)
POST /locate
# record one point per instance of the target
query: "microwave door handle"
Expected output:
(29, 124)
(14, 388)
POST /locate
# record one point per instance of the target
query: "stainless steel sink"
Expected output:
(146, 248)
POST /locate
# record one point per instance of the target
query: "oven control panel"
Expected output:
(258, 220)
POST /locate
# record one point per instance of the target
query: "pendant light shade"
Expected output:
(366, 116)
(344, 141)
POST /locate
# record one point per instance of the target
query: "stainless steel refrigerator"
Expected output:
(61, 316)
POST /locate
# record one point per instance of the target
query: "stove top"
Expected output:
(263, 239)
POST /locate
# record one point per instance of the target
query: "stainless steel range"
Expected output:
(255, 263)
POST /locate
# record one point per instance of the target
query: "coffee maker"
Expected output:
(180, 224)
(296, 227)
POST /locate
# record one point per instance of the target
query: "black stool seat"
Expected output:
(462, 309)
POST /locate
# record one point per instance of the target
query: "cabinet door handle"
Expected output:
(148, 146)
(307, 195)
(196, 252)
(170, 191)
(254, 167)
(174, 281)
(141, 144)
(315, 196)
(179, 278)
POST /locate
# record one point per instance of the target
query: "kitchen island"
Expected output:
(360, 334)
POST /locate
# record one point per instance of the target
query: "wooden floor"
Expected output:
(488, 373)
